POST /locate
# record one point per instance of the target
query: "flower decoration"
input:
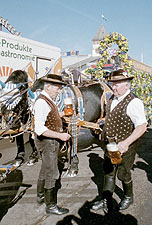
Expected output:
(142, 87)
(103, 49)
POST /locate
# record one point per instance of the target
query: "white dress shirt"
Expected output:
(135, 109)
(41, 111)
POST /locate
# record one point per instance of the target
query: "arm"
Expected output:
(54, 134)
(137, 133)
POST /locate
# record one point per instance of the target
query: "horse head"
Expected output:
(14, 101)
(37, 85)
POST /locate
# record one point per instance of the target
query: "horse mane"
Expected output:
(18, 76)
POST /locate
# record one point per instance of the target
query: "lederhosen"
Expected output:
(118, 127)
(49, 147)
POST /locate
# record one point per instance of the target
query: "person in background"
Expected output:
(125, 123)
(48, 135)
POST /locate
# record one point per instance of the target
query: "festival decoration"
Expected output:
(105, 45)
(142, 87)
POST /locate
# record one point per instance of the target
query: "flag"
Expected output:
(70, 53)
(64, 53)
(103, 17)
(56, 68)
(30, 71)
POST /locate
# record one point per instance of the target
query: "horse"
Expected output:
(14, 105)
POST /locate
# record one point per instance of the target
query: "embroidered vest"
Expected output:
(53, 121)
(118, 125)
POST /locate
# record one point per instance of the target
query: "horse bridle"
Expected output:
(18, 86)
(17, 115)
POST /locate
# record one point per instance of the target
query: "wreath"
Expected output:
(103, 49)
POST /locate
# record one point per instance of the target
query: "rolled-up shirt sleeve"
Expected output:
(135, 110)
(41, 110)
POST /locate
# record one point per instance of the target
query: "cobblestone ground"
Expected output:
(17, 195)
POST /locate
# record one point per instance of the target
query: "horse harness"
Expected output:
(10, 129)
(107, 92)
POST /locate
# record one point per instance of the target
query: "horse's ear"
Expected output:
(31, 94)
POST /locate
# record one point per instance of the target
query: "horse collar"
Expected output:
(81, 109)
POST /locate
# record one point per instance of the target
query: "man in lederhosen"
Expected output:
(48, 134)
(125, 122)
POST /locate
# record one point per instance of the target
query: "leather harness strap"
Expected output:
(77, 91)
(79, 97)
(84, 123)
(104, 97)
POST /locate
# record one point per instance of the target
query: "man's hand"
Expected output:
(62, 114)
(123, 146)
(65, 136)
(54, 134)
(138, 132)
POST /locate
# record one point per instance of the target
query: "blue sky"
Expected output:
(71, 24)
